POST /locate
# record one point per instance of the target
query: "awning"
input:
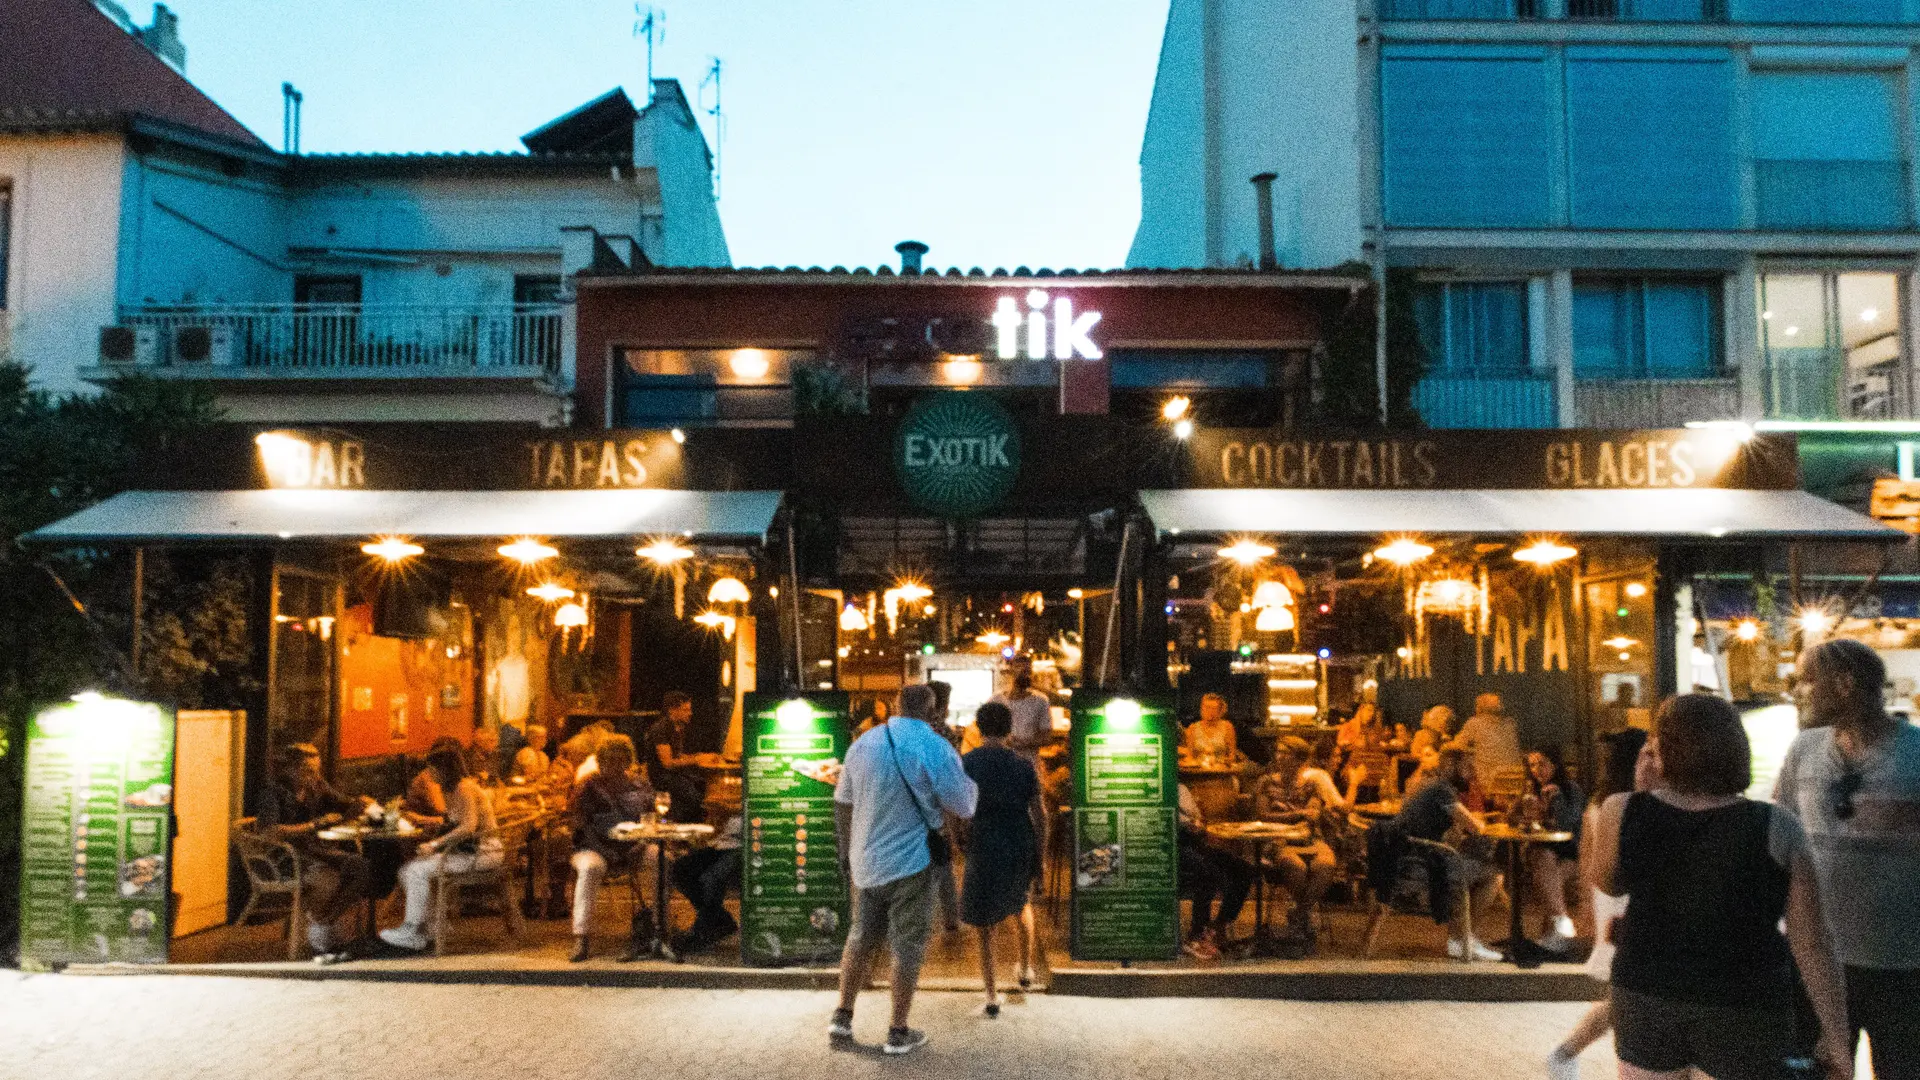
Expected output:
(307, 515)
(1693, 512)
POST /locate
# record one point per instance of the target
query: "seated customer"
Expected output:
(530, 762)
(615, 793)
(1429, 814)
(298, 803)
(1557, 803)
(704, 876)
(1212, 737)
(483, 756)
(471, 842)
(426, 802)
(1205, 873)
(1291, 792)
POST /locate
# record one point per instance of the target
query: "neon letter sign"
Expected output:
(1072, 334)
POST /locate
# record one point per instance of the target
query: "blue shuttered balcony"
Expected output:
(1831, 195)
(1487, 400)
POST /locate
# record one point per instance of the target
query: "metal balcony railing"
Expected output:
(1831, 195)
(1473, 400)
(353, 339)
(1818, 384)
(1653, 403)
(1648, 10)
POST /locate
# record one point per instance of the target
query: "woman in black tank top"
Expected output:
(1702, 976)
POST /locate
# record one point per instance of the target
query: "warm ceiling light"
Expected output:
(679, 436)
(1621, 642)
(962, 370)
(993, 639)
(853, 620)
(1272, 594)
(728, 590)
(550, 592)
(1447, 595)
(911, 591)
(570, 615)
(1815, 621)
(1183, 429)
(1272, 620)
(1870, 315)
(1076, 594)
(713, 620)
(1176, 408)
(1636, 589)
(664, 552)
(1403, 552)
(526, 551)
(1543, 553)
(1246, 552)
(1747, 630)
(392, 548)
(748, 363)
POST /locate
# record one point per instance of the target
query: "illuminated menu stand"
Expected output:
(793, 904)
(1125, 872)
(97, 850)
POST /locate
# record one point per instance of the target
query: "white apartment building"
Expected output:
(1618, 213)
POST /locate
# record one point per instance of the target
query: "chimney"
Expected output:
(1263, 197)
(911, 252)
(163, 38)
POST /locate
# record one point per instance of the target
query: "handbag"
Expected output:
(939, 849)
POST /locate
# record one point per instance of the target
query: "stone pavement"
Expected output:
(178, 1027)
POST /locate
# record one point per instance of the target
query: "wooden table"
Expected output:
(663, 833)
(1215, 789)
(398, 844)
(1259, 835)
(1520, 951)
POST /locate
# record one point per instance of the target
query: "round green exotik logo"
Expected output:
(957, 454)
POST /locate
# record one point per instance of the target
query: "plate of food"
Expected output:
(825, 770)
(1097, 864)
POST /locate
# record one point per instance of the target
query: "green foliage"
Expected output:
(1350, 396)
(822, 390)
(58, 456)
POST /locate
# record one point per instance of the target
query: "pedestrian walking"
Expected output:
(1853, 777)
(1702, 976)
(898, 782)
(1003, 847)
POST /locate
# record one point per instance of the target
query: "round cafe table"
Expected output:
(1259, 836)
(385, 848)
(1520, 951)
(665, 834)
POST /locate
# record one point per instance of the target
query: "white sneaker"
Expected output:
(1561, 1066)
(405, 937)
(1458, 950)
(319, 937)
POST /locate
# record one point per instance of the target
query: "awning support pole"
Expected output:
(793, 576)
(1113, 602)
(139, 604)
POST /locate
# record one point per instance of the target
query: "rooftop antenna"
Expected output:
(650, 23)
(719, 119)
(290, 100)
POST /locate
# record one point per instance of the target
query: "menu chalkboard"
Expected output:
(1125, 860)
(99, 800)
(794, 905)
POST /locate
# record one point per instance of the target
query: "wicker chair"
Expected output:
(448, 883)
(273, 879)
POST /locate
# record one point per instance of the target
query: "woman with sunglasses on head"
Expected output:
(1853, 776)
(1702, 976)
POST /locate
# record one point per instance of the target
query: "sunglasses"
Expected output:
(1844, 790)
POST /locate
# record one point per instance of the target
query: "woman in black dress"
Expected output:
(1003, 852)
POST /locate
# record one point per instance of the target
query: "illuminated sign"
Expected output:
(1071, 334)
(297, 461)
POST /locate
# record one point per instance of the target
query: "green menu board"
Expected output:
(793, 904)
(1126, 902)
(99, 799)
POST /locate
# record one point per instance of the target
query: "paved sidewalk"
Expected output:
(182, 1027)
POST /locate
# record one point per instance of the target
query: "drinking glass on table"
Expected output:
(662, 802)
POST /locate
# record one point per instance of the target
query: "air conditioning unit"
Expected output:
(126, 345)
(198, 345)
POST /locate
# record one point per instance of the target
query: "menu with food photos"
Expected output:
(793, 903)
(98, 830)
(1125, 870)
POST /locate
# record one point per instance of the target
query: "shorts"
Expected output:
(1464, 872)
(899, 912)
(1727, 1042)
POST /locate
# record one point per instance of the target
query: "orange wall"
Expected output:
(374, 670)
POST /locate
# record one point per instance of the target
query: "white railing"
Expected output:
(423, 339)
(1654, 403)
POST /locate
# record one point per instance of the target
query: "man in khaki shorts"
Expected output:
(898, 781)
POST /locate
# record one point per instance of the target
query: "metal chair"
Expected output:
(1378, 909)
(448, 883)
(273, 878)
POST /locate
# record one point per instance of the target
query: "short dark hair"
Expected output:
(619, 744)
(450, 766)
(994, 720)
(1619, 753)
(1023, 680)
(918, 701)
(673, 699)
(1703, 746)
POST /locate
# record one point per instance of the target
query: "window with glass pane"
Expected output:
(1473, 327)
(1827, 152)
(1833, 345)
(1646, 328)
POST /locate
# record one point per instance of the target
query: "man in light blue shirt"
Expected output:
(898, 781)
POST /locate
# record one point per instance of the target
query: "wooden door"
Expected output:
(206, 787)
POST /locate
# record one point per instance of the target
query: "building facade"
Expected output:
(1614, 213)
(142, 228)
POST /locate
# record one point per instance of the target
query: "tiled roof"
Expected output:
(64, 59)
(1346, 276)
(475, 158)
